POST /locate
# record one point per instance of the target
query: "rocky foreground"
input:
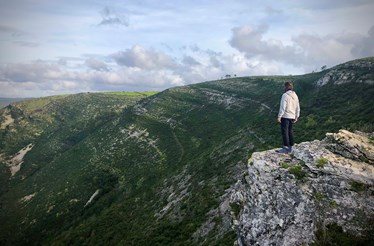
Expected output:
(289, 199)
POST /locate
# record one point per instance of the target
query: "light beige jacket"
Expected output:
(289, 106)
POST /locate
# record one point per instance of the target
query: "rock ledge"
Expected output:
(284, 198)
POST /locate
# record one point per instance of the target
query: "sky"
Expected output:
(71, 46)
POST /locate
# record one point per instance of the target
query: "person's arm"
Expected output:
(297, 111)
(282, 108)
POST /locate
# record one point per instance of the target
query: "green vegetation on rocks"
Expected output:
(322, 162)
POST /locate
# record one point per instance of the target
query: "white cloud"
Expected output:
(306, 50)
(329, 49)
(46, 78)
(96, 64)
(137, 69)
(139, 57)
(250, 40)
(31, 72)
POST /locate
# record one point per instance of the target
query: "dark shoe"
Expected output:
(283, 150)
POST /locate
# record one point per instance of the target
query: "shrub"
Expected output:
(285, 165)
(371, 140)
(322, 162)
(318, 196)
(357, 186)
(298, 172)
(333, 204)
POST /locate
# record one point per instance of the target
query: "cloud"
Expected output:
(250, 40)
(26, 44)
(47, 78)
(329, 50)
(140, 57)
(335, 48)
(40, 78)
(365, 46)
(38, 72)
(137, 68)
(216, 62)
(109, 18)
(305, 51)
(190, 61)
(272, 11)
(160, 79)
(96, 64)
(331, 4)
(10, 30)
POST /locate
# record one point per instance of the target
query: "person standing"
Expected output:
(289, 112)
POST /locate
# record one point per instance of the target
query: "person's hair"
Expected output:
(288, 85)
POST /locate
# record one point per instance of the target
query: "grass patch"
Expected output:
(371, 140)
(333, 204)
(358, 187)
(322, 162)
(298, 172)
(285, 165)
(318, 196)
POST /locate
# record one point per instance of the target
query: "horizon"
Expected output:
(54, 48)
(158, 91)
(148, 91)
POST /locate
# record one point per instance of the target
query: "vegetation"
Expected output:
(358, 187)
(371, 140)
(318, 196)
(6, 101)
(322, 162)
(333, 234)
(161, 162)
(298, 172)
(235, 208)
(285, 165)
(131, 94)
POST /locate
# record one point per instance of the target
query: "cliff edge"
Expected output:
(296, 199)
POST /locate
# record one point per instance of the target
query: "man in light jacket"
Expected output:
(289, 112)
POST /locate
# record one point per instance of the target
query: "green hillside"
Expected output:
(152, 169)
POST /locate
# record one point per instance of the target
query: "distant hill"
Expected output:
(6, 101)
(152, 169)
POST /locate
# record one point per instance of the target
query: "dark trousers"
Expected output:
(287, 133)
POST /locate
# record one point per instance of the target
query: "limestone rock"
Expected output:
(360, 71)
(283, 198)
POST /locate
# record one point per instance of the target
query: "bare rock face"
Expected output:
(283, 199)
(360, 71)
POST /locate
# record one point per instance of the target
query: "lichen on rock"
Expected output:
(283, 199)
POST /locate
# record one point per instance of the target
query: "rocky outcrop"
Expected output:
(284, 199)
(359, 71)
